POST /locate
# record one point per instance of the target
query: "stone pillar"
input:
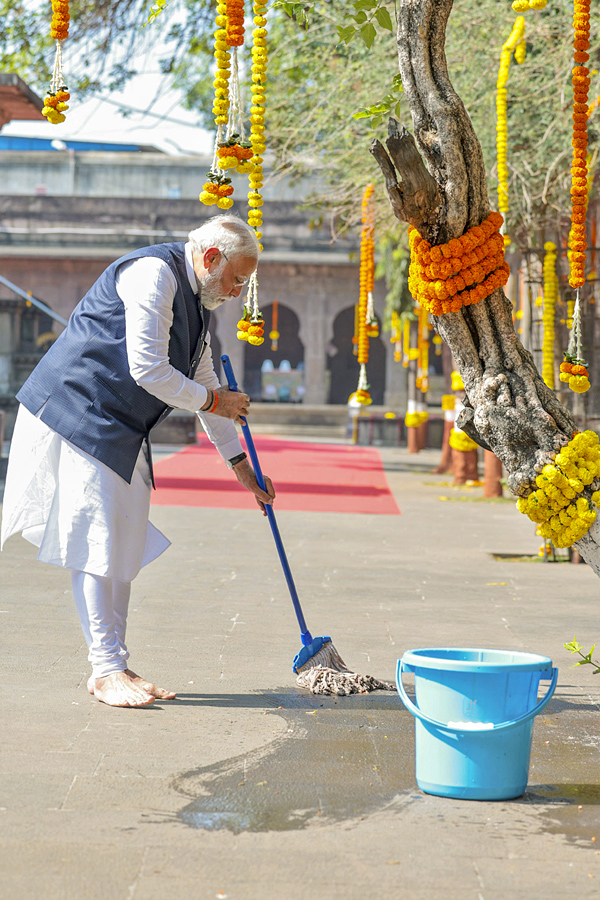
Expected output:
(7, 347)
(314, 333)
(396, 381)
(492, 474)
(225, 319)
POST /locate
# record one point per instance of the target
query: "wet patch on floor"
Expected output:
(570, 810)
(340, 759)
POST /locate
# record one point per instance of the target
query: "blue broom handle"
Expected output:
(305, 633)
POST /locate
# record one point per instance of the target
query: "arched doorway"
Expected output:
(343, 365)
(290, 349)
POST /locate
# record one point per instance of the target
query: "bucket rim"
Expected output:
(469, 659)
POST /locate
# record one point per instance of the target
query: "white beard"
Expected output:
(210, 291)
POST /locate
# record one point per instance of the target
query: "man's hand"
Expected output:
(231, 404)
(245, 475)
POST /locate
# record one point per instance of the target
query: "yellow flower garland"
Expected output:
(55, 107)
(515, 40)
(564, 516)
(414, 419)
(257, 116)
(461, 441)
(456, 381)
(548, 315)
(367, 281)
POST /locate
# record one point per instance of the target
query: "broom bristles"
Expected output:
(327, 673)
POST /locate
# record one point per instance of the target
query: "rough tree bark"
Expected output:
(509, 409)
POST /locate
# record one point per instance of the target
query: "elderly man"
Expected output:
(80, 467)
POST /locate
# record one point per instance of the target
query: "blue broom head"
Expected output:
(310, 650)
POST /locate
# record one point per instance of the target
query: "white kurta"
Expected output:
(80, 513)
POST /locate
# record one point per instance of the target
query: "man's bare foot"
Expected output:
(119, 689)
(159, 693)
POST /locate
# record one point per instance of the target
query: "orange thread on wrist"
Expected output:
(215, 402)
(466, 270)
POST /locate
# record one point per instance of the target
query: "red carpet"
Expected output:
(309, 477)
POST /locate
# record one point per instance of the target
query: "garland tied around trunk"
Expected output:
(466, 270)
(55, 107)
(365, 298)
(558, 505)
(549, 312)
(460, 441)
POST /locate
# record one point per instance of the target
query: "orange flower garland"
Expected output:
(466, 270)
(579, 192)
(235, 22)
(54, 102)
(367, 281)
(59, 26)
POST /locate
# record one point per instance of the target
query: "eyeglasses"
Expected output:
(238, 281)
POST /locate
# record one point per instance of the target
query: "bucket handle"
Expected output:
(501, 726)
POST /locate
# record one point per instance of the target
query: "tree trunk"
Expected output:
(509, 409)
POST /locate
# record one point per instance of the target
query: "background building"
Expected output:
(67, 210)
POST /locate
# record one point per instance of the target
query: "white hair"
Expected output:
(227, 233)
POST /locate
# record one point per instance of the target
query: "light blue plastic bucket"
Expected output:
(474, 716)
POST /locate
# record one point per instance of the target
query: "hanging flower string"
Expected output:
(367, 280)
(218, 188)
(514, 43)
(55, 104)
(232, 150)
(274, 334)
(579, 188)
(257, 116)
(573, 369)
(466, 270)
(549, 312)
(251, 327)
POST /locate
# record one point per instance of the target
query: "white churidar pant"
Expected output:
(102, 605)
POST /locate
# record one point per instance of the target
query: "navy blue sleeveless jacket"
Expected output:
(83, 385)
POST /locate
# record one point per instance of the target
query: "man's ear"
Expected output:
(209, 256)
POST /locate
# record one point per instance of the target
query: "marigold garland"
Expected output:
(54, 102)
(564, 516)
(367, 281)
(524, 5)
(456, 382)
(466, 270)
(579, 190)
(549, 312)
(514, 43)
(257, 115)
(415, 418)
(575, 374)
(460, 441)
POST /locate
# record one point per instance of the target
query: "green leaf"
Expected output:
(360, 17)
(365, 4)
(397, 82)
(368, 34)
(364, 113)
(346, 33)
(573, 646)
(383, 18)
(155, 11)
